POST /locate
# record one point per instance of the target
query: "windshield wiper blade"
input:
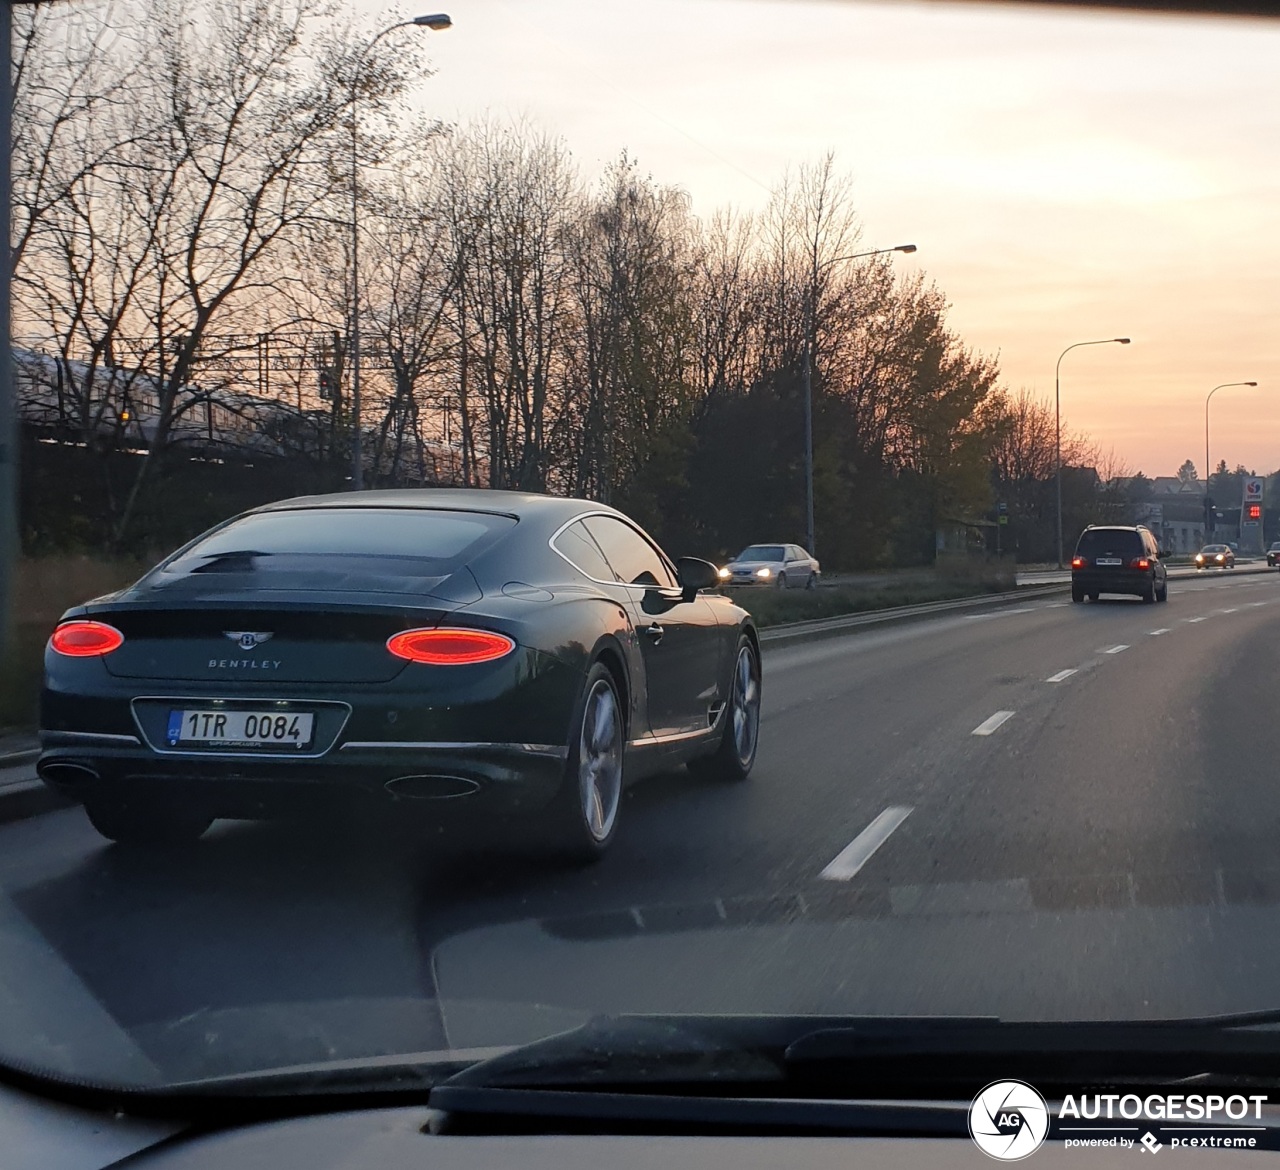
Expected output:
(881, 1055)
(881, 1036)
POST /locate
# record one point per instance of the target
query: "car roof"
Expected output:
(520, 505)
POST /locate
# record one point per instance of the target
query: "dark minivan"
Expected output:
(1118, 560)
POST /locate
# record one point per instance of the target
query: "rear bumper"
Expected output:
(1127, 581)
(502, 776)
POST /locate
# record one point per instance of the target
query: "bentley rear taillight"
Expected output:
(450, 647)
(82, 639)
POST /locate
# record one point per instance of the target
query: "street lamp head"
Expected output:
(436, 21)
(1122, 340)
(1251, 383)
(905, 248)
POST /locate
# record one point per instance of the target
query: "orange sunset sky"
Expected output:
(1066, 175)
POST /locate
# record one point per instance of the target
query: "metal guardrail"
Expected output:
(816, 628)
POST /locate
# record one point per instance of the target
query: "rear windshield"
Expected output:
(1097, 542)
(327, 548)
(762, 552)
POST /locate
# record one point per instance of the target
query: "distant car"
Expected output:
(1216, 556)
(1117, 559)
(1273, 553)
(775, 566)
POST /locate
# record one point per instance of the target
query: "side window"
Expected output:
(796, 554)
(633, 559)
(583, 553)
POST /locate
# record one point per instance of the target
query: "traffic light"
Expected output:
(326, 385)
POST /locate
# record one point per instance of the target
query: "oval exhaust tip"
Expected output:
(68, 774)
(432, 787)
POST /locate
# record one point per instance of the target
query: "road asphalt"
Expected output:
(1042, 810)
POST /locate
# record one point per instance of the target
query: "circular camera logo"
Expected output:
(1008, 1120)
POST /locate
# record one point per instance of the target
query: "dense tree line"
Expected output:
(187, 183)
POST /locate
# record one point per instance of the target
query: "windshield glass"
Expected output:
(384, 670)
(762, 552)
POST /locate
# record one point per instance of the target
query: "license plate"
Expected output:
(242, 729)
(1108, 561)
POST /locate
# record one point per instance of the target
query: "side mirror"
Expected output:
(696, 575)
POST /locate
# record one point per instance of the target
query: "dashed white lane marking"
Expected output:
(1061, 676)
(1193, 620)
(1161, 630)
(987, 726)
(1057, 605)
(1233, 609)
(1115, 649)
(859, 851)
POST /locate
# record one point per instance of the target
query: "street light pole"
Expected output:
(810, 343)
(9, 426)
(1208, 397)
(437, 22)
(1057, 421)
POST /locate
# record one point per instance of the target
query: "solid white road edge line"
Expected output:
(987, 726)
(859, 851)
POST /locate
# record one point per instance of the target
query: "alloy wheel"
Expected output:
(600, 760)
(745, 705)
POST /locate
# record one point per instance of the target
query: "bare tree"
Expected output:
(223, 154)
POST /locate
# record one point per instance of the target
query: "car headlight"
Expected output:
(1220, 557)
(724, 574)
(764, 572)
(1199, 556)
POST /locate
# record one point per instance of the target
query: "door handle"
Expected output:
(655, 631)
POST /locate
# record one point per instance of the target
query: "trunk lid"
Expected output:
(258, 641)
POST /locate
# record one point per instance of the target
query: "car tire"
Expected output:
(1077, 594)
(735, 754)
(145, 824)
(1148, 595)
(1162, 594)
(782, 580)
(586, 810)
(1094, 596)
